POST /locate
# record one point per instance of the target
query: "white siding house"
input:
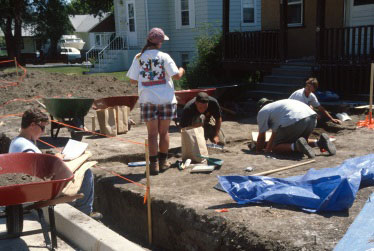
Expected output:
(182, 21)
(359, 13)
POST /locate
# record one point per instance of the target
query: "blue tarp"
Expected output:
(328, 189)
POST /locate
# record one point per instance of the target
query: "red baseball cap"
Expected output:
(157, 35)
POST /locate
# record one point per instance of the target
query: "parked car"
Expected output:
(74, 55)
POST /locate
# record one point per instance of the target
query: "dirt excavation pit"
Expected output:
(186, 209)
(185, 206)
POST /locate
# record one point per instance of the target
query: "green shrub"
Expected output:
(206, 68)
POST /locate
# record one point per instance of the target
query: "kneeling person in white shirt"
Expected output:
(307, 96)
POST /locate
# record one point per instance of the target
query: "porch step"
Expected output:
(274, 95)
(284, 79)
(291, 72)
(296, 67)
(285, 88)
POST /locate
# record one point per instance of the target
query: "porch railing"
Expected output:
(101, 41)
(347, 45)
(109, 52)
(252, 46)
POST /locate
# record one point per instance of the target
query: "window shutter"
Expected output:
(192, 13)
(177, 14)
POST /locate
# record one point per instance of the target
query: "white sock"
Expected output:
(316, 144)
(293, 147)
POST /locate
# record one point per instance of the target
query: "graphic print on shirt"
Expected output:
(153, 70)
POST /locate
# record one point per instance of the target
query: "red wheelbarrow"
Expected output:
(104, 103)
(37, 194)
(183, 96)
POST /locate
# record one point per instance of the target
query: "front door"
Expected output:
(131, 24)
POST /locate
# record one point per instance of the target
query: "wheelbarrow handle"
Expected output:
(59, 200)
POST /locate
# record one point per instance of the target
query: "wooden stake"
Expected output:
(283, 168)
(93, 127)
(148, 193)
(371, 92)
(15, 62)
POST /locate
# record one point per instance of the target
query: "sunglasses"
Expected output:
(41, 127)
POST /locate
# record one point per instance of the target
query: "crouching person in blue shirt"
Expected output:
(33, 126)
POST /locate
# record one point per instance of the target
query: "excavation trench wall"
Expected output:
(175, 227)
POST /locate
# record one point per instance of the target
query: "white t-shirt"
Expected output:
(282, 113)
(21, 144)
(153, 71)
(300, 95)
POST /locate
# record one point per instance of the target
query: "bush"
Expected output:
(206, 68)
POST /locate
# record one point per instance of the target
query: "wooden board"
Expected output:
(360, 235)
(362, 107)
(75, 184)
(76, 163)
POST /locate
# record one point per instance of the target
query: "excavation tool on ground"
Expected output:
(70, 111)
(20, 199)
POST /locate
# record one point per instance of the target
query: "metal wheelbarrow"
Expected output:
(47, 167)
(70, 111)
(183, 96)
(104, 103)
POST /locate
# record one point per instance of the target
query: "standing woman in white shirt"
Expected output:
(153, 71)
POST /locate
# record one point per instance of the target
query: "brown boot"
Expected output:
(162, 160)
(153, 168)
(164, 165)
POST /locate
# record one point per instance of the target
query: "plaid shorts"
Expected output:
(150, 112)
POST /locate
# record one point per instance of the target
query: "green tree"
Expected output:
(13, 15)
(49, 19)
(52, 22)
(95, 7)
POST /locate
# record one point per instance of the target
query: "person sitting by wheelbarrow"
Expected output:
(33, 126)
(204, 110)
(291, 122)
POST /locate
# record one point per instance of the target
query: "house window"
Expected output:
(185, 13)
(295, 12)
(131, 17)
(185, 60)
(98, 40)
(248, 11)
(362, 2)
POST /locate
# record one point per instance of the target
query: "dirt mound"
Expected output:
(45, 84)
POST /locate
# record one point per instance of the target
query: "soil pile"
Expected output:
(38, 83)
(9, 179)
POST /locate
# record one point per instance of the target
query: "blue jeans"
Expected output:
(87, 188)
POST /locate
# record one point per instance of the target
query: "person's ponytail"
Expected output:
(146, 46)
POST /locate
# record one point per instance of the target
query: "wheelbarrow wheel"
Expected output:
(14, 219)
(76, 135)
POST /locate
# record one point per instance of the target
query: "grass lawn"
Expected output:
(80, 71)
